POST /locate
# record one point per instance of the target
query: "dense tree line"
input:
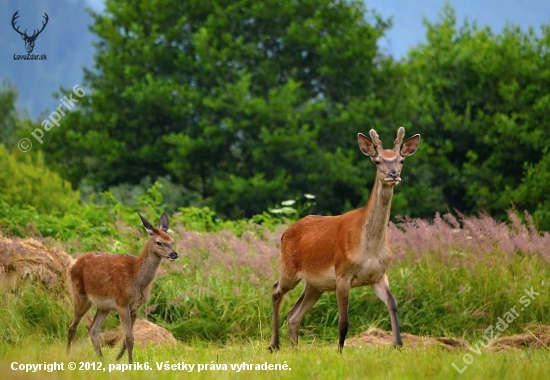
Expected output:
(246, 104)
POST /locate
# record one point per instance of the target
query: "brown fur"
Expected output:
(117, 282)
(337, 253)
(115, 270)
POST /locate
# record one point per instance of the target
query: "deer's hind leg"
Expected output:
(307, 300)
(280, 288)
(81, 305)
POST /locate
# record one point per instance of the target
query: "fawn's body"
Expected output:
(120, 283)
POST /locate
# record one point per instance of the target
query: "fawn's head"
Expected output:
(388, 161)
(159, 240)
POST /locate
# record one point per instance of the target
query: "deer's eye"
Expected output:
(377, 162)
(159, 243)
(402, 160)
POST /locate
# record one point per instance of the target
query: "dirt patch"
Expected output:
(374, 337)
(537, 337)
(145, 333)
(29, 259)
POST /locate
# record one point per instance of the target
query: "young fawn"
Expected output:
(118, 282)
(337, 253)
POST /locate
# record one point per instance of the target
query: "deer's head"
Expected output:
(388, 161)
(29, 40)
(160, 243)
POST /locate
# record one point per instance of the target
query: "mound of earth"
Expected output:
(145, 333)
(536, 337)
(29, 259)
(374, 337)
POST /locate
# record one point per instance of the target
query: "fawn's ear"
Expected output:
(148, 226)
(410, 146)
(163, 222)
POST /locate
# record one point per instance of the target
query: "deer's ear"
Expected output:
(410, 146)
(366, 145)
(148, 226)
(163, 222)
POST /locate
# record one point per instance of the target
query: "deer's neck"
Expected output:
(377, 214)
(148, 267)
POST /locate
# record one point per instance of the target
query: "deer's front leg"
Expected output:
(382, 290)
(343, 286)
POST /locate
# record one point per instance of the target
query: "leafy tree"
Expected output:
(245, 103)
(532, 194)
(8, 114)
(481, 100)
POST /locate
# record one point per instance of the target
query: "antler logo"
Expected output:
(29, 40)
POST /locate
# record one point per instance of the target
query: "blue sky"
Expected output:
(407, 16)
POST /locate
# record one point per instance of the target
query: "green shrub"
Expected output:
(25, 180)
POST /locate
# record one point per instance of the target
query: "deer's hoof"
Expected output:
(397, 346)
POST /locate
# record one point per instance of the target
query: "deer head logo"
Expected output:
(29, 40)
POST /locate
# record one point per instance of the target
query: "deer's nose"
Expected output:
(394, 174)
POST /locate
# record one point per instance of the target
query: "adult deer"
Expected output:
(337, 253)
(118, 282)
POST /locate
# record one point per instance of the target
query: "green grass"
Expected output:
(213, 323)
(193, 305)
(312, 360)
(216, 300)
(459, 299)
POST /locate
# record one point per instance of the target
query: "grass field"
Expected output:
(312, 360)
(451, 279)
